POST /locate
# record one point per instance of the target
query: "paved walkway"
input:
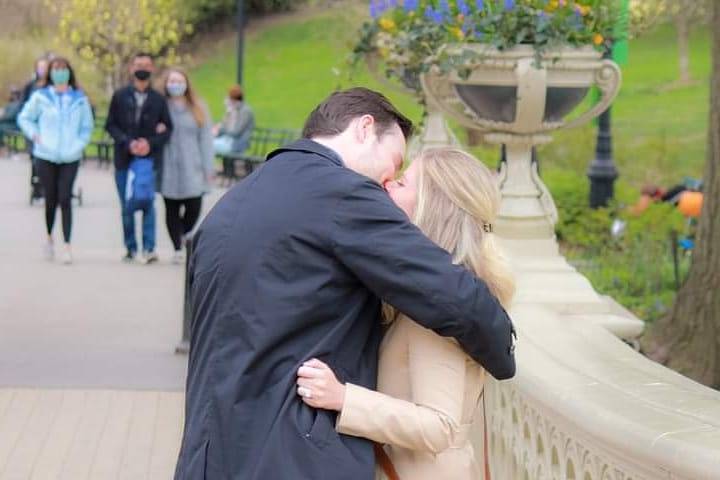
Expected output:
(90, 386)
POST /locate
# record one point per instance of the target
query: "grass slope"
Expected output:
(659, 133)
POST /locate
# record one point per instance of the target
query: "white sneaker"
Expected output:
(67, 257)
(149, 257)
(178, 257)
(49, 251)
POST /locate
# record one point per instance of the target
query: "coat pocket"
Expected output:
(315, 425)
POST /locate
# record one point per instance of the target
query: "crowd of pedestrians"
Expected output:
(164, 139)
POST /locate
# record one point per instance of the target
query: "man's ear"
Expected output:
(364, 128)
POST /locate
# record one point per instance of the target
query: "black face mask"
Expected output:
(142, 75)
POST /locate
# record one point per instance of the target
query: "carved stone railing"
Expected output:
(586, 406)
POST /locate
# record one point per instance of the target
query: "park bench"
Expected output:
(262, 142)
(15, 140)
(101, 145)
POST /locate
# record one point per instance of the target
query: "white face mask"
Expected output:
(176, 89)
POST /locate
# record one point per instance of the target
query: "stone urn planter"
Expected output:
(517, 102)
(435, 131)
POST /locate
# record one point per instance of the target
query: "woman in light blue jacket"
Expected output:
(59, 121)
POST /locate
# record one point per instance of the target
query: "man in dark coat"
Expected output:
(139, 122)
(292, 264)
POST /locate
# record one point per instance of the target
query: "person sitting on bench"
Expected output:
(232, 135)
(9, 113)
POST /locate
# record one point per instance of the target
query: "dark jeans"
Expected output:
(128, 218)
(57, 180)
(181, 217)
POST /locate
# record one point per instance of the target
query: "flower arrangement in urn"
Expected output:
(407, 35)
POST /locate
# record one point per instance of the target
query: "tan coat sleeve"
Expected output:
(430, 423)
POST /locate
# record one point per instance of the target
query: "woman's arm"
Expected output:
(429, 423)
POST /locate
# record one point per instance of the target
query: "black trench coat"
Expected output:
(291, 264)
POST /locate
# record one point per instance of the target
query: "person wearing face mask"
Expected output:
(139, 122)
(59, 121)
(232, 135)
(8, 115)
(39, 80)
(187, 160)
(39, 77)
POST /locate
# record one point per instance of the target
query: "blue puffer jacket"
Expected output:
(62, 123)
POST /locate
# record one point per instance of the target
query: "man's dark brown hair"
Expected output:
(335, 113)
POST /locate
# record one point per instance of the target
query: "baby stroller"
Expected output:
(36, 191)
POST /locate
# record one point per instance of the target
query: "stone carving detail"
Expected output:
(529, 444)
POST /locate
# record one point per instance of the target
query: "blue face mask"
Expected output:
(176, 89)
(60, 76)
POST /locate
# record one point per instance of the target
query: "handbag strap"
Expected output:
(385, 462)
(486, 449)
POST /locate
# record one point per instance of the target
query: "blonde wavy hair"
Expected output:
(457, 203)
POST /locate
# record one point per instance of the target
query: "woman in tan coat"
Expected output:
(428, 388)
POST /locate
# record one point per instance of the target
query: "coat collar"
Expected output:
(310, 146)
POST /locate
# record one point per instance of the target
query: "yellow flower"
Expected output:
(458, 33)
(551, 6)
(584, 9)
(598, 39)
(387, 24)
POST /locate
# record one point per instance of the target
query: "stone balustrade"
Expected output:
(586, 406)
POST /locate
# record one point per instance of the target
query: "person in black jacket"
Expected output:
(292, 264)
(139, 122)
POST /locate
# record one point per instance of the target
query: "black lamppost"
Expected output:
(241, 39)
(602, 171)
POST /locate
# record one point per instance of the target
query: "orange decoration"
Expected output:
(690, 204)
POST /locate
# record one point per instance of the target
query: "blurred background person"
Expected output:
(232, 135)
(58, 120)
(9, 114)
(139, 123)
(187, 167)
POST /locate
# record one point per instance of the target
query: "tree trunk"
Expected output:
(682, 25)
(688, 338)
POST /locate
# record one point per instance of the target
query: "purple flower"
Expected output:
(411, 5)
(480, 5)
(434, 15)
(374, 10)
(392, 3)
(463, 8)
(444, 6)
(509, 4)
(377, 8)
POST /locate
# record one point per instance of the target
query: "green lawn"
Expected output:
(290, 68)
(659, 134)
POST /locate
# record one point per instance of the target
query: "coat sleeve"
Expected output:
(391, 257)
(29, 116)
(158, 140)
(87, 124)
(429, 423)
(113, 125)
